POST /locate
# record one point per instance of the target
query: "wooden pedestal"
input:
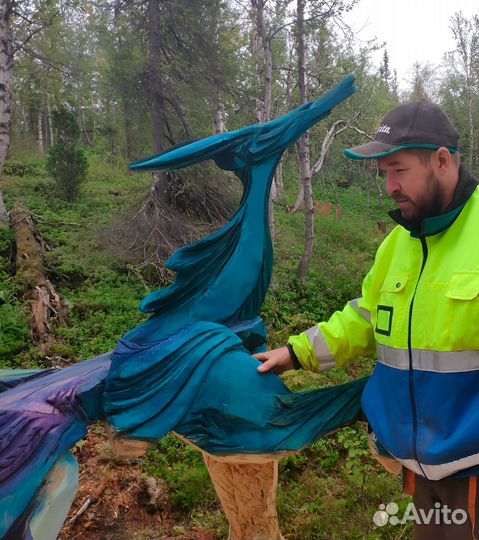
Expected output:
(247, 491)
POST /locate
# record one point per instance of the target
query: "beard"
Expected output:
(430, 203)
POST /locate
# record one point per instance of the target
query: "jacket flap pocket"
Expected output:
(395, 283)
(463, 286)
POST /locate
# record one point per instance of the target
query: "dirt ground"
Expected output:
(118, 502)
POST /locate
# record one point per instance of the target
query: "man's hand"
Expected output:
(276, 360)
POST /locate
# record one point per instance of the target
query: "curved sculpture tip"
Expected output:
(224, 146)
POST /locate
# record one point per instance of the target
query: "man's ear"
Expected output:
(442, 160)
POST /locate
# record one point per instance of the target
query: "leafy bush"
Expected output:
(66, 161)
(25, 166)
(14, 333)
(183, 470)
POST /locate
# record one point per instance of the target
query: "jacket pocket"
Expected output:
(463, 306)
(391, 308)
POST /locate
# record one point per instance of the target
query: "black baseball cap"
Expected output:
(418, 124)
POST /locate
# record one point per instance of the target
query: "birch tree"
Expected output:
(6, 75)
(31, 19)
(465, 62)
(306, 190)
(263, 59)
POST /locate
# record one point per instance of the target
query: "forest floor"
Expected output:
(120, 501)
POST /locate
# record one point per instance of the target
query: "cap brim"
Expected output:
(371, 150)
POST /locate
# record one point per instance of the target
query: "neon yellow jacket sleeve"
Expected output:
(347, 334)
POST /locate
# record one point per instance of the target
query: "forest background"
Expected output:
(129, 78)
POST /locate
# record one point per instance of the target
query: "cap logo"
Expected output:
(384, 129)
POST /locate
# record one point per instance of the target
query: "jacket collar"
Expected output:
(466, 186)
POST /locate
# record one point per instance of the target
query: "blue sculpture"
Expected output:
(188, 368)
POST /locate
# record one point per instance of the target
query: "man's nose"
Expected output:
(392, 185)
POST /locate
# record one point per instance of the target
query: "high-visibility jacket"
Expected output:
(420, 310)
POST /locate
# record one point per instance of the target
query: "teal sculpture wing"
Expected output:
(224, 278)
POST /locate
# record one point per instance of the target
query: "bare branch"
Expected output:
(360, 131)
(63, 69)
(33, 32)
(333, 131)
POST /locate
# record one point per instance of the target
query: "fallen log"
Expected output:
(45, 303)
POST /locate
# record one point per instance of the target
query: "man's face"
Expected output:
(413, 185)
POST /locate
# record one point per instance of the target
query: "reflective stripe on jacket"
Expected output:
(420, 310)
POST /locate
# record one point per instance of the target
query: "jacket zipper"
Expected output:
(409, 344)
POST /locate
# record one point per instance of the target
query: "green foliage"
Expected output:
(14, 331)
(66, 161)
(358, 466)
(184, 472)
(102, 309)
(25, 166)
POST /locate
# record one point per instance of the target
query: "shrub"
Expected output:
(25, 166)
(184, 472)
(14, 333)
(66, 160)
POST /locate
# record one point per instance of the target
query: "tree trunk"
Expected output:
(128, 131)
(247, 492)
(259, 101)
(6, 75)
(378, 185)
(278, 179)
(159, 186)
(304, 152)
(300, 197)
(216, 104)
(51, 142)
(369, 195)
(466, 34)
(156, 84)
(30, 273)
(472, 131)
(40, 132)
(326, 145)
(3, 211)
(219, 121)
(93, 121)
(264, 72)
(24, 124)
(305, 175)
(264, 68)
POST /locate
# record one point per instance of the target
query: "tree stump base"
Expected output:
(246, 487)
(247, 491)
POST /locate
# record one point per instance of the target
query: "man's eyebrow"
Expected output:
(388, 164)
(392, 164)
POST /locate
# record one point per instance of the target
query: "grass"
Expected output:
(330, 490)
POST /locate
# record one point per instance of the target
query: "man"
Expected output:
(420, 310)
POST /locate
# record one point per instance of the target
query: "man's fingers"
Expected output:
(267, 364)
(262, 356)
